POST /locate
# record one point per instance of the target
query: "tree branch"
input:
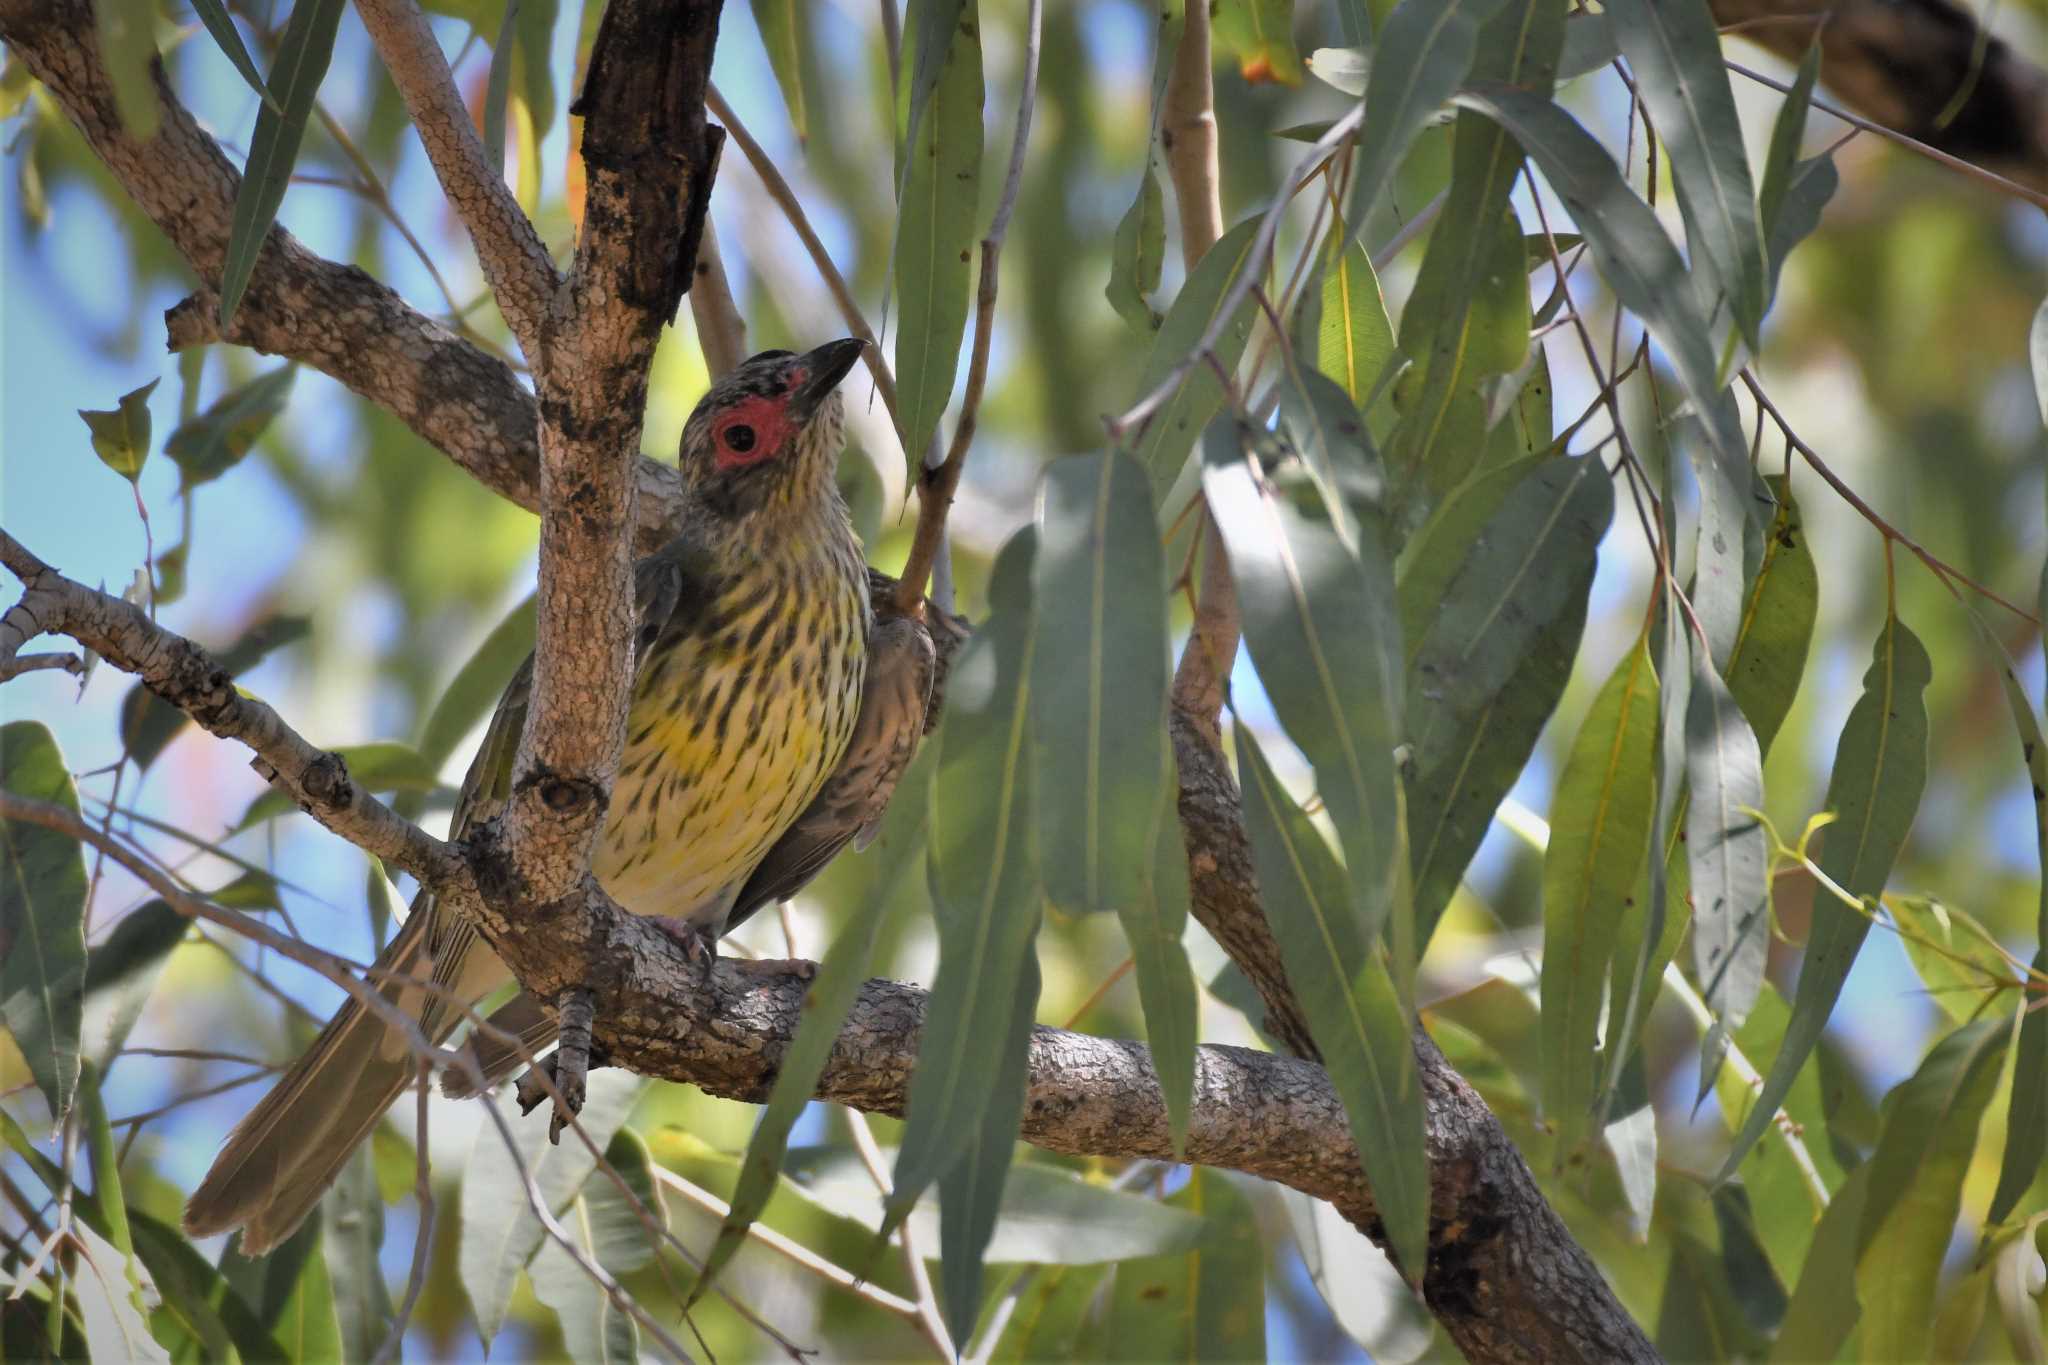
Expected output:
(515, 262)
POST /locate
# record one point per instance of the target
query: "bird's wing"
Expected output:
(850, 804)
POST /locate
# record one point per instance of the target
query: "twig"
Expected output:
(721, 331)
(938, 483)
(792, 209)
(1940, 568)
(514, 259)
(929, 1319)
(1913, 144)
(31, 663)
(1187, 134)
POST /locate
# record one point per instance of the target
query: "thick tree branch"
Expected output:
(649, 158)
(515, 262)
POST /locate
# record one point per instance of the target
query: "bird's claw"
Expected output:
(698, 942)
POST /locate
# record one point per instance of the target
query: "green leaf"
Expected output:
(1729, 857)
(1511, 614)
(1916, 1188)
(1260, 34)
(42, 916)
(1434, 554)
(1783, 155)
(1468, 315)
(533, 39)
(971, 1190)
(284, 1296)
(295, 75)
(1635, 257)
(127, 34)
(194, 1293)
(1676, 54)
(2026, 1126)
(1588, 45)
(1098, 680)
(1959, 961)
(377, 767)
(1813, 184)
(340, 1308)
(120, 973)
(1340, 973)
(1162, 447)
(1879, 773)
(936, 230)
(113, 1305)
(149, 724)
(783, 24)
(1342, 68)
(1776, 632)
(1324, 428)
(985, 893)
(1137, 255)
(1422, 56)
(1355, 341)
(1360, 1286)
(120, 437)
(498, 87)
(1051, 1316)
(1207, 1304)
(228, 39)
(500, 1232)
(477, 686)
(1319, 623)
(1153, 924)
(215, 441)
(2037, 356)
(1722, 562)
(606, 1224)
(1599, 836)
(826, 1005)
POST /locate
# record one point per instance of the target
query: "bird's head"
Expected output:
(770, 431)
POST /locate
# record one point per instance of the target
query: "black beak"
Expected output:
(824, 368)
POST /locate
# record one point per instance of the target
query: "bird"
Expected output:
(758, 744)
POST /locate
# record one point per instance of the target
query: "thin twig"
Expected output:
(423, 1235)
(929, 1319)
(1939, 567)
(30, 663)
(721, 330)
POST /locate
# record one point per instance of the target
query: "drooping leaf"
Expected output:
(42, 915)
(2037, 356)
(826, 1006)
(985, 890)
(2026, 1124)
(1319, 623)
(1728, 855)
(1722, 564)
(1599, 836)
(1339, 970)
(1786, 133)
(1260, 34)
(194, 1293)
(533, 40)
(1636, 259)
(1206, 1304)
(120, 973)
(1676, 54)
(498, 86)
(500, 1232)
(1916, 1188)
(1776, 630)
(1050, 1319)
(936, 227)
(1360, 1286)
(286, 1293)
(120, 436)
(1355, 340)
(1588, 45)
(1813, 183)
(1879, 772)
(1468, 315)
(477, 685)
(971, 1190)
(1525, 581)
(1098, 682)
(295, 76)
(1162, 447)
(215, 441)
(228, 39)
(1423, 55)
(112, 1302)
(1153, 924)
(1435, 553)
(1137, 255)
(340, 1297)
(127, 34)
(1326, 431)
(784, 26)
(607, 1227)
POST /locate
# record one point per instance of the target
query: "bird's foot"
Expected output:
(698, 941)
(568, 1066)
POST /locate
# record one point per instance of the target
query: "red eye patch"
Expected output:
(752, 430)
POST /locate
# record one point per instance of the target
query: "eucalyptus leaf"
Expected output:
(42, 916)
(120, 436)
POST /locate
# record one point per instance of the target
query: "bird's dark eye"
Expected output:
(739, 438)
